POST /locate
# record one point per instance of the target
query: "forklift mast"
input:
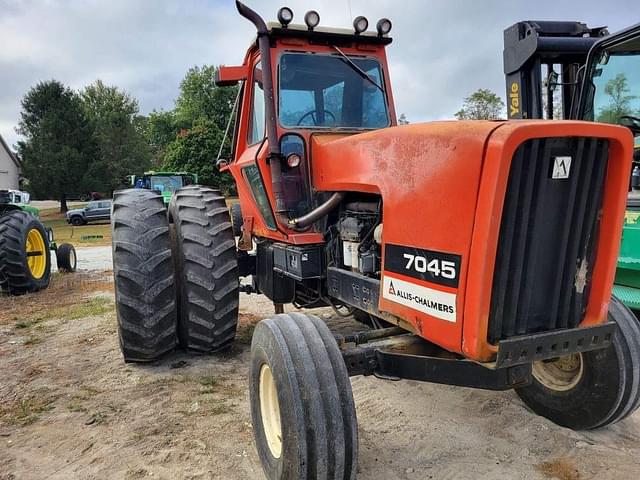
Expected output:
(560, 48)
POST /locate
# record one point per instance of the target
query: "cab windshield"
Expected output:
(318, 90)
(166, 183)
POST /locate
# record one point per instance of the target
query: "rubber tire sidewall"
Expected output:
(581, 407)
(290, 464)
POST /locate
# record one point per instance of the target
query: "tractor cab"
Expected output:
(304, 83)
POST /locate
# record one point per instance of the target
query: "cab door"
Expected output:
(250, 169)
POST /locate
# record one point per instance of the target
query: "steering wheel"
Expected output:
(631, 122)
(312, 114)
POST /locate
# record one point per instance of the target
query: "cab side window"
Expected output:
(257, 125)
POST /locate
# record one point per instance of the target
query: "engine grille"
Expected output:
(547, 236)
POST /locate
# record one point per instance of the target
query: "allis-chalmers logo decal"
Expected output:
(433, 302)
(561, 167)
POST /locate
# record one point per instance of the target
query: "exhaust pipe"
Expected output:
(274, 156)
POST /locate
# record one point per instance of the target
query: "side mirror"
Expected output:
(229, 76)
(222, 163)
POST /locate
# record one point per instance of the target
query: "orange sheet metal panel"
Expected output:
(442, 186)
(428, 176)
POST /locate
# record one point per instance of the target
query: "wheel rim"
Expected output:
(72, 259)
(36, 251)
(560, 374)
(270, 411)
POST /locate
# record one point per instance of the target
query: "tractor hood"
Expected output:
(443, 186)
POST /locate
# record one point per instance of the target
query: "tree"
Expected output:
(199, 121)
(160, 131)
(402, 120)
(619, 100)
(119, 134)
(58, 141)
(194, 151)
(200, 98)
(482, 104)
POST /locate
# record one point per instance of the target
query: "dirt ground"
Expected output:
(71, 408)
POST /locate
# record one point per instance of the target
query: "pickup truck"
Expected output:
(96, 211)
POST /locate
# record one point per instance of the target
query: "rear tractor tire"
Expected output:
(204, 253)
(302, 407)
(594, 389)
(143, 274)
(25, 261)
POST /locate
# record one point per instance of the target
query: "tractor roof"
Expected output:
(326, 35)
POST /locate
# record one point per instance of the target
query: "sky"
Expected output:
(442, 51)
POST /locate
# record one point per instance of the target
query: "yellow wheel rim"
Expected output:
(36, 253)
(270, 411)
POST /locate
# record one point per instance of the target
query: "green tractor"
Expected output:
(25, 263)
(164, 182)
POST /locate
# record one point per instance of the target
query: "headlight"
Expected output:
(383, 26)
(285, 16)
(360, 24)
(312, 19)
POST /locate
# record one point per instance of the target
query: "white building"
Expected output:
(9, 167)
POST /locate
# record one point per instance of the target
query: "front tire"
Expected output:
(66, 258)
(304, 419)
(207, 269)
(25, 261)
(592, 389)
(144, 275)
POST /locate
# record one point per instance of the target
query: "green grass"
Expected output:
(26, 410)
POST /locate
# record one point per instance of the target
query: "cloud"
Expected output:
(442, 50)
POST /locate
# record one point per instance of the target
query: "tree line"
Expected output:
(90, 140)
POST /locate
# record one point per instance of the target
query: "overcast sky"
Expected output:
(442, 50)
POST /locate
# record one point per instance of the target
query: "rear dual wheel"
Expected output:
(590, 390)
(206, 265)
(177, 285)
(302, 407)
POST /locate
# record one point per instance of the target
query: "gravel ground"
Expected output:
(70, 408)
(90, 258)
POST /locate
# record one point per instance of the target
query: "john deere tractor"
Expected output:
(166, 183)
(25, 262)
(483, 253)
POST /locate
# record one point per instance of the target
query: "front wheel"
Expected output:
(304, 418)
(589, 390)
(66, 258)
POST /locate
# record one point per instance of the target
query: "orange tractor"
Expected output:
(481, 254)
